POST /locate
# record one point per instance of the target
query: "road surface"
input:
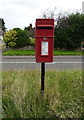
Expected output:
(28, 63)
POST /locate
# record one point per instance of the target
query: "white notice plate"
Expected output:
(44, 50)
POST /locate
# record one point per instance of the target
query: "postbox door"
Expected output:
(44, 34)
(44, 50)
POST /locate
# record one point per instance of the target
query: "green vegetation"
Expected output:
(60, 52)
(2, 24)
(32, 42)
(10, 38)
(19, 52)
(21, 95)
(69, 32)
(32, 52)
(16, 38)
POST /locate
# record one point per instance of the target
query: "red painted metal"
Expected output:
(44, 32)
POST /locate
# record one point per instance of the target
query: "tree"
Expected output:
(56, 14)
(71, 30)
(2, 24)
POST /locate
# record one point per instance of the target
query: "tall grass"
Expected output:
(62, 98)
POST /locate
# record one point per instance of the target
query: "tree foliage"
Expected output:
(10, 38)
(2, 24)
(69, 28)
(22, 38)
(32, 42)
(16, 38)
(69, 32)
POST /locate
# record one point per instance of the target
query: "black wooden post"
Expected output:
(42, 76)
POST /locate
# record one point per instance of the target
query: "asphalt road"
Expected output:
(28, 63)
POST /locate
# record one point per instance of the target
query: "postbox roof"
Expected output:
(47, 22)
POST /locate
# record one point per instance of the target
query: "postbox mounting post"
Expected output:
(42, 76)
(44, 35)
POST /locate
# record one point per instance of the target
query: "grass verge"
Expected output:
(21, 97)
(32, 52)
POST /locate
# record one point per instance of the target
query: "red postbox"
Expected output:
(44, 34)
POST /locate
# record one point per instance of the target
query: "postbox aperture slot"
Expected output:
(44, 27)
(44, 32)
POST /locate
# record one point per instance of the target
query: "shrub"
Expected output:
(10, 38)
(16, 38)
(22, 38)
(32, 42)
